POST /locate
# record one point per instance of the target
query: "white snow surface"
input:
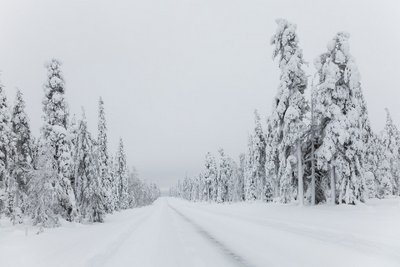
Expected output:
(174, 233)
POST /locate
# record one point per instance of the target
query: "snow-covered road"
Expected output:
(177, 233)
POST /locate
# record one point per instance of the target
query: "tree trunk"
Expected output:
(333, 185)
(300, 174)
(312, 155)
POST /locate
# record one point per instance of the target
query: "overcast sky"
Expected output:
(180, 78)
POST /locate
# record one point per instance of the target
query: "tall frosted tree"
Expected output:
(338, 107)
(290, 106)
(104, 161)
(55, 133)
(87, 181)
(21, 154)
(7, 184)
(122, 177)
(390, 137)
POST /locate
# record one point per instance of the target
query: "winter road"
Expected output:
(176, 233)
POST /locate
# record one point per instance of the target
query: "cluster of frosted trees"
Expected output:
(66, 172)
(313, 151)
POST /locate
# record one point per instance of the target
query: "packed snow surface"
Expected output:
(174, 232)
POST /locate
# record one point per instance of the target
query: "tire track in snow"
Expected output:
(240, 261)
(100, 259)
(325, 235)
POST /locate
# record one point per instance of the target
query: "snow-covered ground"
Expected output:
(173, 232)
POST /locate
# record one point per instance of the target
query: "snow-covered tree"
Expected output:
(238, 194)
(210, 178)
(55, 133)
(108, 187)
(338, 107)
(272, 160)
(7, 183)
(224, 176)
(259, 157)
(87, 180)
(122, 177)
(234, 181)
(21, 154)
(290, 106)
(43, 190)
(250, 190)
(390, 137)
(133, 177)
(378, 173)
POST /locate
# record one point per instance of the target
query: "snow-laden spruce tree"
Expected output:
(338, 108)
(239, 181)
(290, 106)
(272, 160)
(199, 187)
(259, 158)
(7, 184)
(378, 175)
(55, 134)
(132, 180)
(21, 154)
(112, 169)
(44, 188)
(87, 180)
(122, 177)
(234, 182)
(390, 137)
(210, 178)
(224, 177)
(250, 190)
(108, 187)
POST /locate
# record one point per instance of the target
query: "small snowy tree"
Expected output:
(250, 190)
(44, 189)
(122, 177)
(225, 175)
(390, 137)
(239, 181)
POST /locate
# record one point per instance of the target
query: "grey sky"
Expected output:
(180, 78)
